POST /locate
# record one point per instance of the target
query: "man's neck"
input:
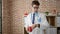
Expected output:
(35, 12)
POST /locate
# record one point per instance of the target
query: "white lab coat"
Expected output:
(43, 24)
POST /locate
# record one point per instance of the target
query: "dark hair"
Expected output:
(35, 3)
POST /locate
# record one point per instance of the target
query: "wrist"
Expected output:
(38, 25)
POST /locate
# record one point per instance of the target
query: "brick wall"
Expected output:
(58, 5)
(12, 16)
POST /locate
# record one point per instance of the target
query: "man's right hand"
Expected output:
(38, 25)
(35, 25)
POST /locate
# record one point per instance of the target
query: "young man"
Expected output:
(36, 21)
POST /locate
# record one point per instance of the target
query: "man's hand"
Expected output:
(30, 28)
(38, 25)
(35, 25)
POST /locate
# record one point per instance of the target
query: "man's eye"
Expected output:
(36, 7)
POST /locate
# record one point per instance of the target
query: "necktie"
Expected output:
(33, 19)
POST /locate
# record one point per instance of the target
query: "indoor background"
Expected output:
(13, 14)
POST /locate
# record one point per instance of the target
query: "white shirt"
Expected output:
(40, 18)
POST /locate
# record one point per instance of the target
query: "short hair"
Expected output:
(35, 3)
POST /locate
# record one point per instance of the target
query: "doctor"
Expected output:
(36, 21)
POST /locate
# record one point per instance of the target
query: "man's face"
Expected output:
(35, 8)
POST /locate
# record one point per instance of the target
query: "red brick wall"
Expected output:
(12, 13)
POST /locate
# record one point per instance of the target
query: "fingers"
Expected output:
(33, 26)
(38, 25)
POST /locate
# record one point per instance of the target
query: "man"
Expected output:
(36, 21)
